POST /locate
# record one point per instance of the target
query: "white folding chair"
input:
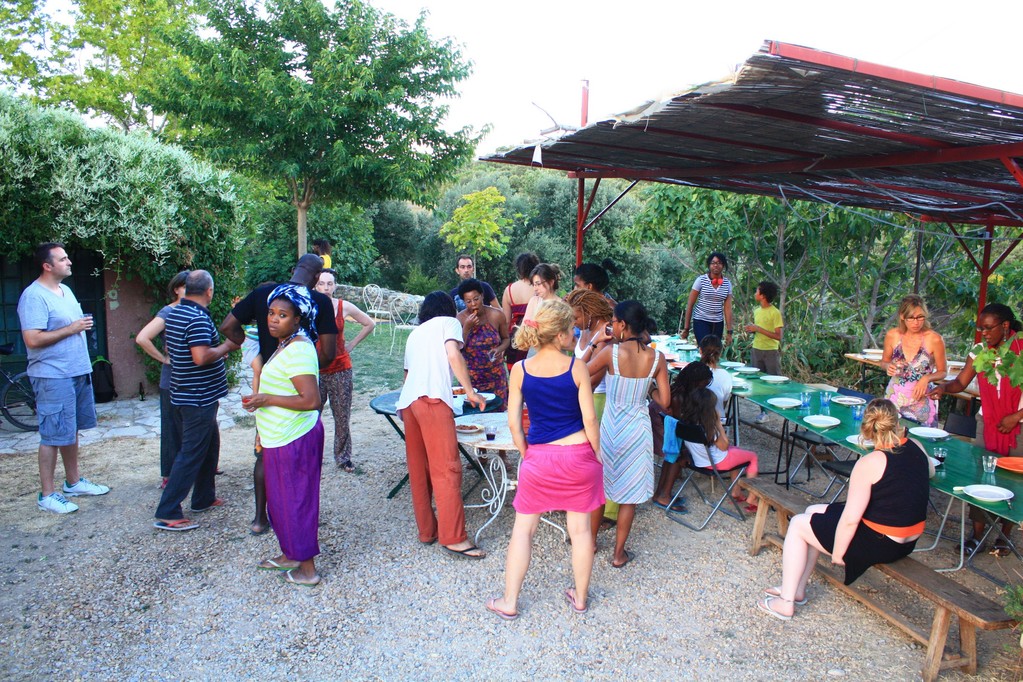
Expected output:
(373, 298)
(404, 313)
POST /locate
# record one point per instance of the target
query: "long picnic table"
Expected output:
(962, 467)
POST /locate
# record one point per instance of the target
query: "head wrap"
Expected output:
(302, 299)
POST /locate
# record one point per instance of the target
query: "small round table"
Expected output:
(491, 456)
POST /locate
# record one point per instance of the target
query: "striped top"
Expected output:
(188, 326)
(278, 426)
(710, 304)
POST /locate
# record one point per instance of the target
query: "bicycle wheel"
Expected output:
(18, 403)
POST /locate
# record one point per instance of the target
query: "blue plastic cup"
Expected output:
(826, 398)
(857, 411)
(804, 397)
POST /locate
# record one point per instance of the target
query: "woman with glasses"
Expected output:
(709, 309)
(1000, 414)
(914, 356)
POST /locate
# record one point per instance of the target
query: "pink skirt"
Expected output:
(559, 477)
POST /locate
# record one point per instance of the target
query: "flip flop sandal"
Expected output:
(491, 606)
(679, 507)
(570, 598)
(765, 606)
(1001, 550)
(290, 579)
(271, 565)
(777, 595)
(629, 556)
(464, 553)
(177, 526)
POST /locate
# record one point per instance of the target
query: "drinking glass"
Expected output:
(857, 411)
(940, 454)
(826, 398)
(491, 432)
(804, 397)
(990, 462)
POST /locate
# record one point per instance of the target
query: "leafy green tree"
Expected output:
(339, 103)
(478, 225)
(150, 209)
(98, 60)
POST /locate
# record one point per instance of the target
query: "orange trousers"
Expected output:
(434, 471)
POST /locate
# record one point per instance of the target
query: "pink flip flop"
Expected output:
(491, 606)
(570, 598)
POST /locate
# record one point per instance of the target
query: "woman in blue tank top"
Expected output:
(561, 468)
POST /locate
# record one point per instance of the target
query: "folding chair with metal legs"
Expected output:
(695, 434)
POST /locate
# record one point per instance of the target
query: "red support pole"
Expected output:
(985, 272)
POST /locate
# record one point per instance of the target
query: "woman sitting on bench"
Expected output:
(879, 522)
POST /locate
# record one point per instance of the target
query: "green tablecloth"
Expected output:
(962, 467)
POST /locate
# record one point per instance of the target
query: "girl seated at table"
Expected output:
(694, 375)
(561, 468)
(880, 521)
(702, 408)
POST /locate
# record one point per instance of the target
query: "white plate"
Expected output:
(988, 493)
(690, 346)
(848, 400)
(784, 403)
(774, 378)
(822, 421)
(747, 370)
(928, 432)
(727, 364)
(467, 429)
(873, 351)
(657, 338)
(855, 440)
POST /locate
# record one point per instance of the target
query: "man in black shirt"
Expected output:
(465, 268)
(254, 308)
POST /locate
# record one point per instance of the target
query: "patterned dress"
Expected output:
(626, 440)
(486, 374)
(900, 387)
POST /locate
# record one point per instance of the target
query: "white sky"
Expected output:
(539, 51)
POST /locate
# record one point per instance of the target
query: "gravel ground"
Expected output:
(101, 595)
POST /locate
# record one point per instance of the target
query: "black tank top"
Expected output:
(899, 498)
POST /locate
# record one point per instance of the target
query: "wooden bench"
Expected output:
(949, 597)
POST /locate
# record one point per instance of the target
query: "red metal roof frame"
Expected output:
(796, 122)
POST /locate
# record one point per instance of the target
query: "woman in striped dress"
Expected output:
(710, 302)
(625, 435)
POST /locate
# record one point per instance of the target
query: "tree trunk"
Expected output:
(302, 202)
(303, 212)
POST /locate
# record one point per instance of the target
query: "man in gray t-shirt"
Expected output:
(53, 328)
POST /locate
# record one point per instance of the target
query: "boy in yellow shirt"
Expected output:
(767, 325)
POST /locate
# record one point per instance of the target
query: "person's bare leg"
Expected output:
(520, 551)
(798, 558)
(596, 516)
(669, 474)
(582, 559)
(626, 513)
(260, 522)
(69, 456)
(47, 466)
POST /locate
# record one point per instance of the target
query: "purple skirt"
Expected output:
(559, 478)
(293, 493)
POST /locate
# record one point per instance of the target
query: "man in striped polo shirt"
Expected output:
(198, 382)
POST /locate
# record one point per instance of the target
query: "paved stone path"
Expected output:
(129, 417)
